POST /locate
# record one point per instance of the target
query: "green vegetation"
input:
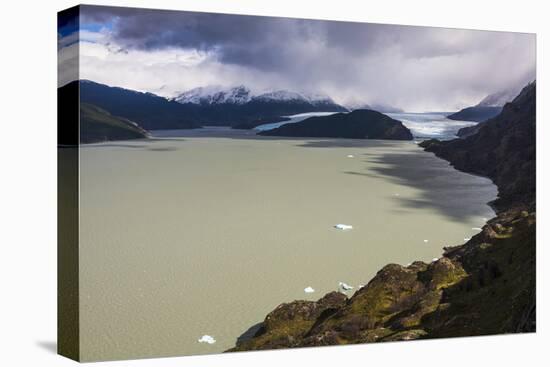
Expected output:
(97, 125)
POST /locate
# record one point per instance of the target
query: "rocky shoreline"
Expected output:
(483, 287)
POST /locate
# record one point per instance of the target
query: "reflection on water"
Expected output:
(193, 235)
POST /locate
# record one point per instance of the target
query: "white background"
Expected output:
(28, 182)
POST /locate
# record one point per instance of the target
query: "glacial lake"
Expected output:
(203, 232)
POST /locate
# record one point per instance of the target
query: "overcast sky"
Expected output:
(413, 68)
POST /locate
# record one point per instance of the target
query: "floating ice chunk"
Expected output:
(467, 239)
(207, 339)
(360, 286)
(343, 227)
(476, 229)
(426, 241)
(435, 259)
(345, 286)
(350, 156)
(309, 290)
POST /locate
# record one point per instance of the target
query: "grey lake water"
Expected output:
(203, 232)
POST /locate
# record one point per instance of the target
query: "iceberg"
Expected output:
(344, 286)
(207, 339)
(309, 290)
(343, 227)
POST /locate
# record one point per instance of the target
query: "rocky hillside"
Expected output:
(502, 149)
(468, 130)
(486, 286)
(358, 124)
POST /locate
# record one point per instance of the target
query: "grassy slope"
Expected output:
(97, 124)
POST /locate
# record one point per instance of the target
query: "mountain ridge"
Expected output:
(489, 107)
(241, 94)
(148, 110)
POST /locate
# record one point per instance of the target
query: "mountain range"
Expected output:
(241, 95)
(240, 106)
(201, 106)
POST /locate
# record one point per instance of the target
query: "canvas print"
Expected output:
(239, 183)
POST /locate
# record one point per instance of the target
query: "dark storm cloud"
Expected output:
(255, 40)
(387, 63)
(245, 40)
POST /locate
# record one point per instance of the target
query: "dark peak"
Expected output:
(526, 92)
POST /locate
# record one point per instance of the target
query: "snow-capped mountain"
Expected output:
(216, 105)
(211, 95)
(487, 108)
(498, 99)
(205, 106)
(289, 96)
(240, 95)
